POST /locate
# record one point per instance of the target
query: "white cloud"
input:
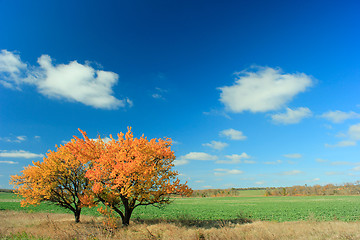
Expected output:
(104, 139)
(9, 162)
(273, 163)
(173, 142)
(73, 82)
(129, 102)
(199, 156)
(260, 183)
(216, 145)
(199, 181)
(77, 82)
(156, 96)
(179, 162)
(19, 154)
(292, 116)
(264, 89)
(11, 69)
(289, 173)
(159, 93)
(339, 116)
(249, 161)
(217, 113)
(342, 144)
(17, 139)
(356, 168)
(236, 158)
(224, 172)
(354, 132)
(334, 173)
(20, 138)
(233, 134)
(293, 155)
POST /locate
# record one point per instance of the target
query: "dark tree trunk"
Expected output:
(77, 215)
(126, 218)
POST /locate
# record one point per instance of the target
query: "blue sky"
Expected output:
(253, 93)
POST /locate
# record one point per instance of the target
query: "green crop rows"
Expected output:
(321, 208)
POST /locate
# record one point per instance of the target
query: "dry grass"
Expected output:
(62, 226)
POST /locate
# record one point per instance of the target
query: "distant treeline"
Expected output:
(329, 189)
(231, 192)
(316, 190)
(6, 190)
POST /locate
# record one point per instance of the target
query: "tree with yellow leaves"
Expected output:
(59, 178)
(131, 172)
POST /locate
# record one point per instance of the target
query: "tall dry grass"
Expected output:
(62, 226)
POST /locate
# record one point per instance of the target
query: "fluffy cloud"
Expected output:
(9, 162)
(216, 145)
(339, 116)
(236, 158)
(353, 135)
(233, 134)
(180, 162)
(293, 155)
(342, 144)
(354, 132)
(73, 82)
(19, 154)
(289, 173)
(11, 69)
(200, 156)
(273, 163)
(264, 89)
(224, 172)
(292, 116)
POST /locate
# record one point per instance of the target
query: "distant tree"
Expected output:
(131, 172)
(59, 178)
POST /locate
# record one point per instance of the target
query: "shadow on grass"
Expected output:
(189, 222)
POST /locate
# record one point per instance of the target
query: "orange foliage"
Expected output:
(130, 172)
(122, 174)
(59, 178)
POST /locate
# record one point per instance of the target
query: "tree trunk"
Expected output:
(126, 218)
(77, 215)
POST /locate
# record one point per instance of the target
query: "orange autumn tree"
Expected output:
(59, 178)
(132, 172)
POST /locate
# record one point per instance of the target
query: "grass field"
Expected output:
(279, 209)
(20, 225)
(315, 217)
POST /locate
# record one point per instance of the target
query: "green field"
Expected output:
(321, 208)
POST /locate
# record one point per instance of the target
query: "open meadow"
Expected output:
(249, 216)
